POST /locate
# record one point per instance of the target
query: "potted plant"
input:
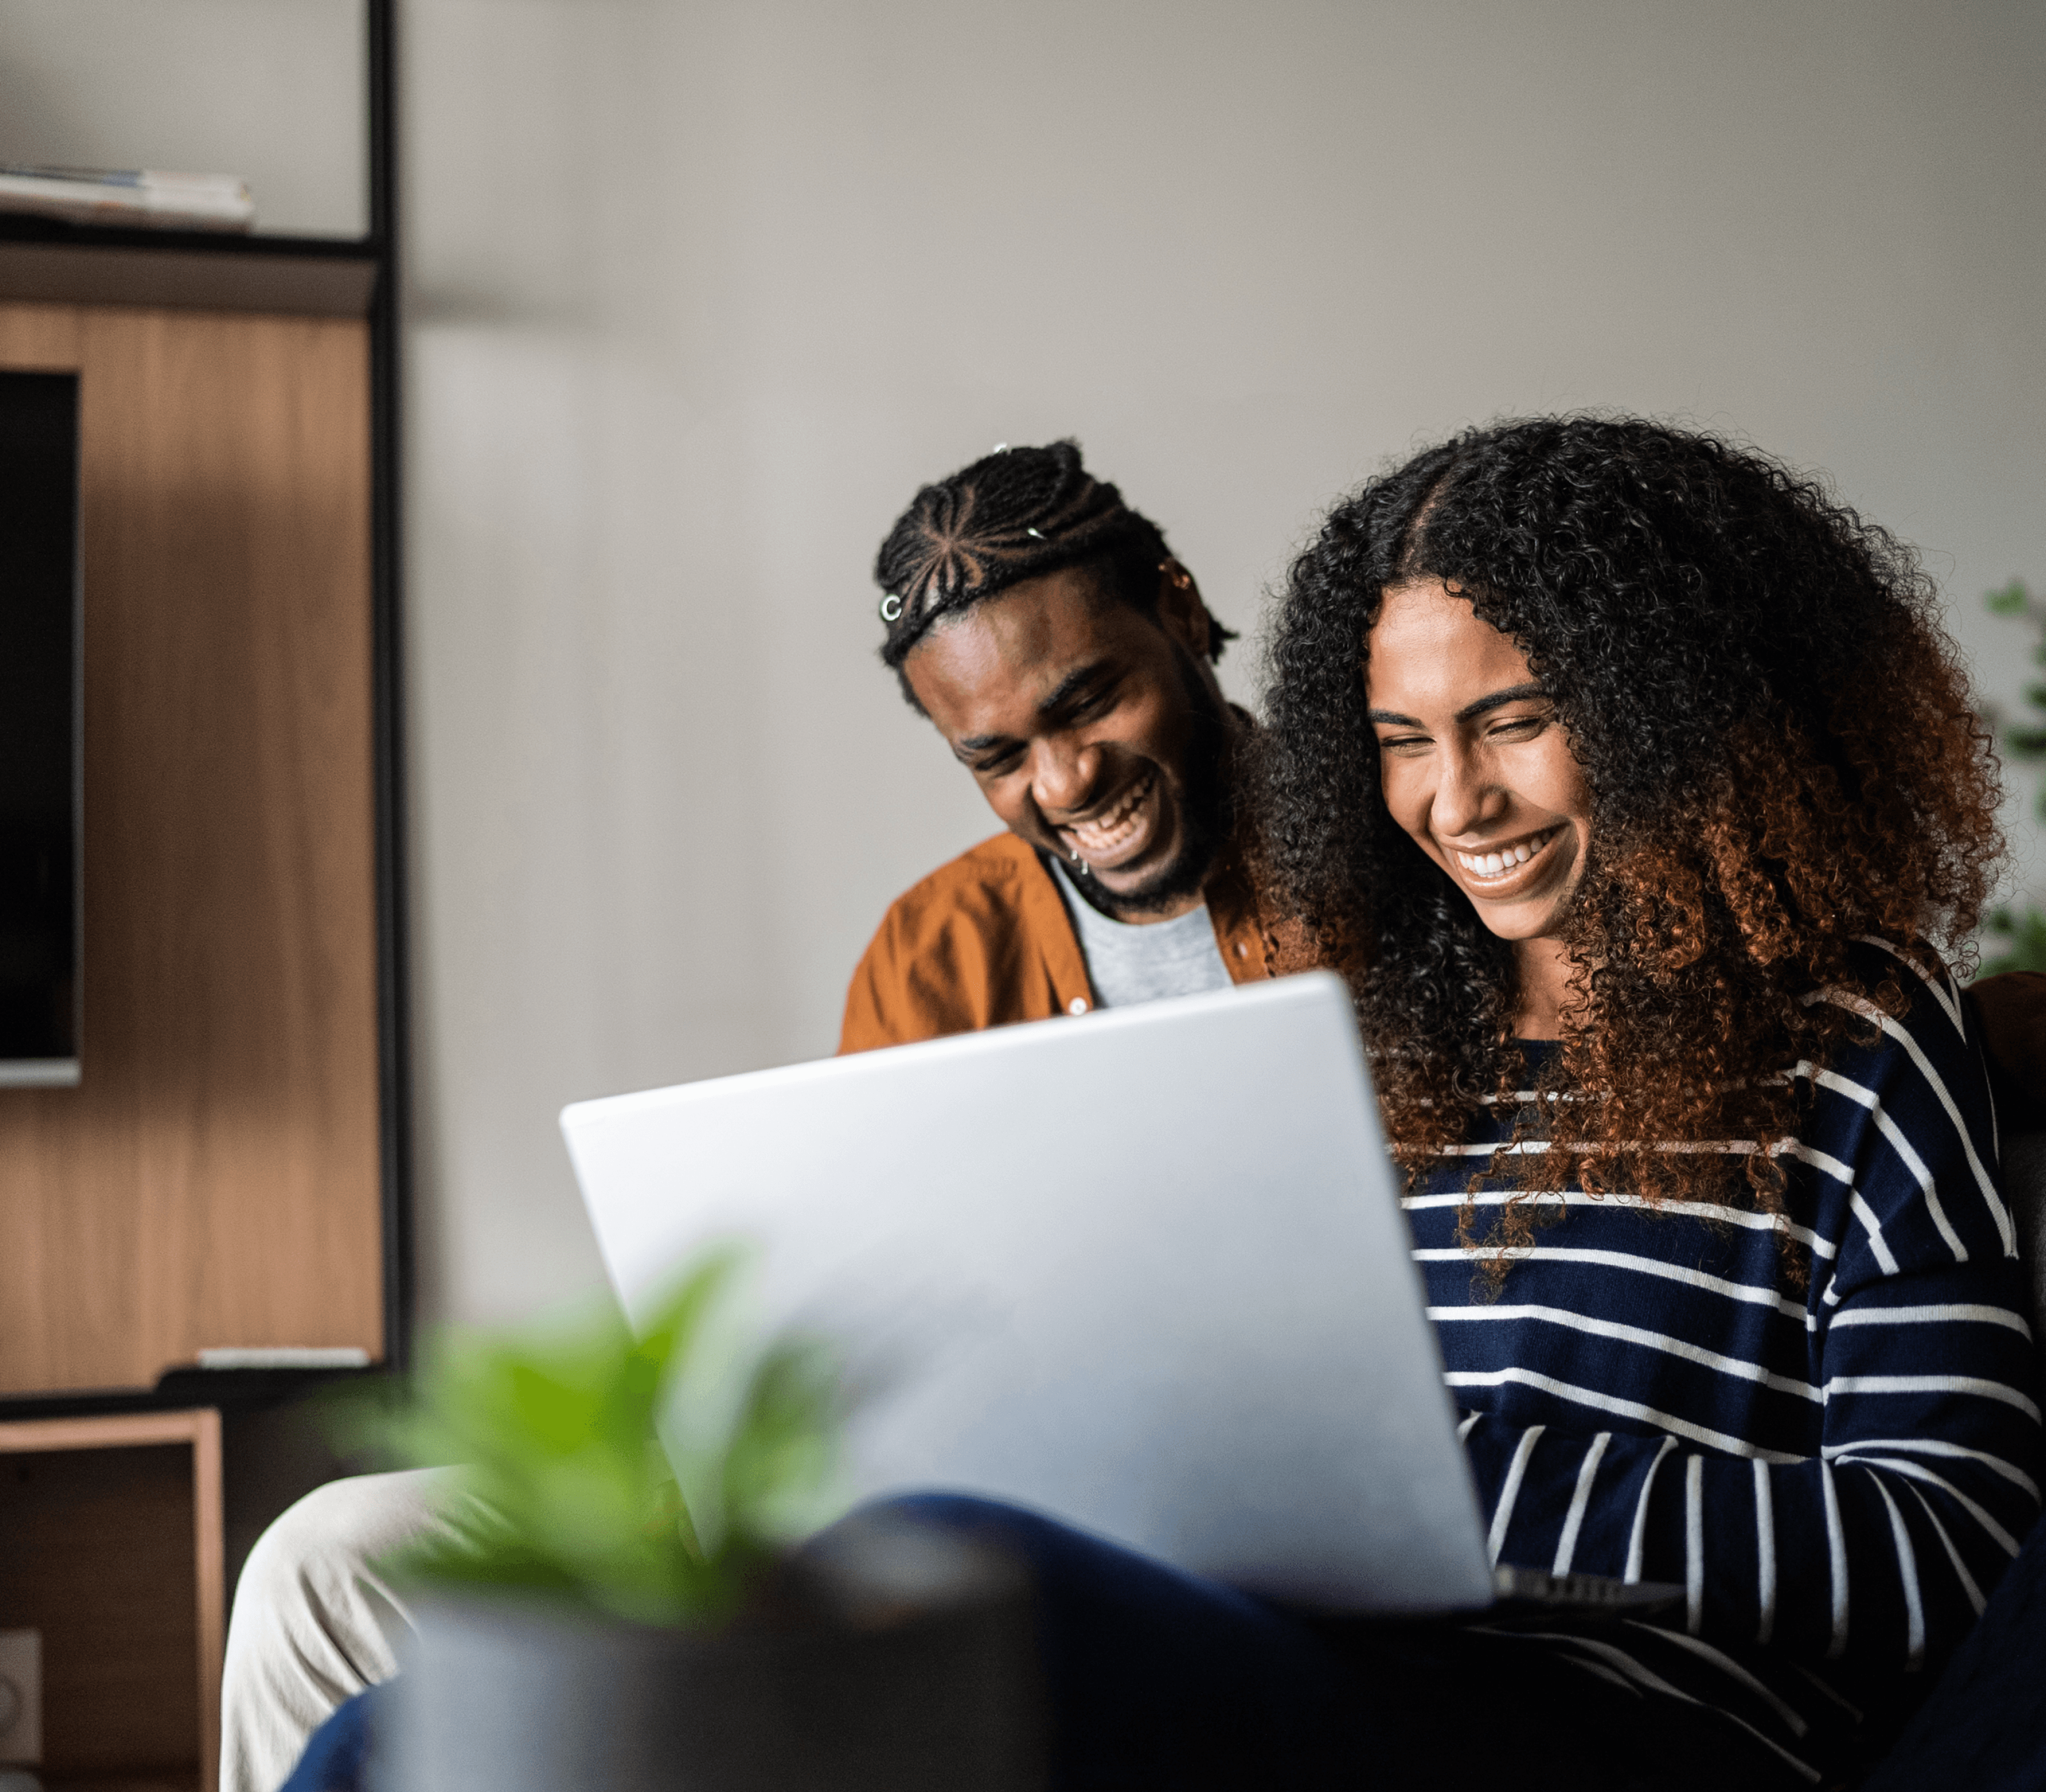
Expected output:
(640, 1617)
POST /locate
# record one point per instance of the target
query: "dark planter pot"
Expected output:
(885, 1656)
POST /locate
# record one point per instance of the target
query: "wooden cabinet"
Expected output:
(215, 1178)
(110, 1549)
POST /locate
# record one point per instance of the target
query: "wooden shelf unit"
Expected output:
(110, 1547)
(234, 1166)
(313, 276)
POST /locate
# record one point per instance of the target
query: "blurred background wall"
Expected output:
(700, 292)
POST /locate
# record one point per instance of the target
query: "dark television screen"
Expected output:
(39, 728)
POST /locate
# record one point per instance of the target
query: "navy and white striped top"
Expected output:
(1836, 1476)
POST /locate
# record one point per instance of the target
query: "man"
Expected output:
(1068, 659)
(1046, 630)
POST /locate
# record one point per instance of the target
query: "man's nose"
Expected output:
(1065, 776)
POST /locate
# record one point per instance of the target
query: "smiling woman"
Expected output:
(1633, 784)
(1746, 721)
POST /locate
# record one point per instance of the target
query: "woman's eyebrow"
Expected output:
(1513, 693)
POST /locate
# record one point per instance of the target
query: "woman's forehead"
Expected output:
(1428, 646)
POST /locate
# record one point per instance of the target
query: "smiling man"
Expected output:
(1045, 629)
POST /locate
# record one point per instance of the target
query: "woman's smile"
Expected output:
(1509, 866)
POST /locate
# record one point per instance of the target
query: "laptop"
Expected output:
(1144, 1271)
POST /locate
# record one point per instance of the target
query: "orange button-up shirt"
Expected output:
(986, 941)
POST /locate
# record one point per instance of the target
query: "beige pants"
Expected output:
(315, 1622)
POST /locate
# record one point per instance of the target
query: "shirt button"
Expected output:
(1077, 1005)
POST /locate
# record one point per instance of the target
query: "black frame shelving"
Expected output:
(47, 260)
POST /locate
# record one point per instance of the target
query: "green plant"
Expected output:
(2023, 930)
(556, 1430)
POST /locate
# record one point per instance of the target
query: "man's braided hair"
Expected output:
(1016, 514)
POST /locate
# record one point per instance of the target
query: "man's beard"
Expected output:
(1207, 808)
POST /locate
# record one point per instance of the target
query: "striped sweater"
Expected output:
(1837, 1475)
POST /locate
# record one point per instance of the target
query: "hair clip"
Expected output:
(999, 448)
(887, 613)
(1033, 532)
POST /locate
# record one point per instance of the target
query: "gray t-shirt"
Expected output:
(1128, 964)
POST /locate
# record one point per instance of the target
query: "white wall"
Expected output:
(271, 90)
(701, 293)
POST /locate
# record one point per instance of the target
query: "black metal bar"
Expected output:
(393, 1009)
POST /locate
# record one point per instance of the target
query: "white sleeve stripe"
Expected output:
(1984, 1180)
(1942, 1313)
(1917, 1471)
(1618, 1260)
(1516, 1472)
(1886, 1260)
(1907, 1573)
(1937, 1447)
(1822, 1160)
(1836, 1554)
(1829, 1165)
(1941, 988)
(1581, 1500)
(1738, 1366)
(1747, 1217)
(1961, 1568)
(1694, 1544)
(1722, 1441)
(1464, 1430)
(1765, 1550)
(1977, 1385)
(1638, 1541)
(1902, 1146)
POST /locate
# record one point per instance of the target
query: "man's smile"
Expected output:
(1121, 828)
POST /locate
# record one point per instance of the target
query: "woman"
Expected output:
(1634, 784)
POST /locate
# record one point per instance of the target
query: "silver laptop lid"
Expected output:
(1144, 1271)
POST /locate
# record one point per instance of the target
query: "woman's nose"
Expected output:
(1464, 797)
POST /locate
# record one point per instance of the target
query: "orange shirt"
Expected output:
(986, 941)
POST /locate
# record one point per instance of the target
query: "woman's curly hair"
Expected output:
(1782, 756)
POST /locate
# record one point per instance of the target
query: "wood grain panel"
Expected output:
(213, 1179)
(95, 1552)
(111, 1533)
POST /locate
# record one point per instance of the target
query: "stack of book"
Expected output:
(130, 197)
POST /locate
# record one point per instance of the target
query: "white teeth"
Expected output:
(1492, 864)
(1106, 833)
